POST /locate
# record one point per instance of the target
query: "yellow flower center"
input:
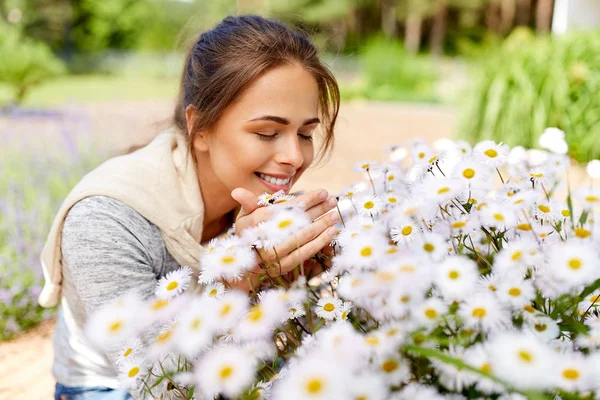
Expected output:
(478, 312)
(384, 276)
(431, 313)
(486, 367)
(164, 337)
(225, 372)
(428, 247)
(515, 292)
(516, 256)
(453, 274)
(372, 340)
(443, 190)
(565, 213)
(491, 153)
(407, 230)
(133, 372)
(392, 199)
(529, 309)
(421, 155)
(366, 252)
(127, 352)
(570, 374)
(226, 309)
(459, 224)
(492, 288)
(369, 204)
(469, 173)
(389, 366)
(329, 307)
(196, 322)
(582, 233)
(115, 326)
(365, 166)
(285, 223)
(314, 386)
(524, 227)
(540, 327)
(543, 208)
(255, 314)
(228, 259)
(172, 285)
(404, 299)
(212, 293)
(591, 199)
(575, 263)
(536, 176)
(525, 356)
(158, 304)
(499, 217)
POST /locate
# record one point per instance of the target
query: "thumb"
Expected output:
(247, 199)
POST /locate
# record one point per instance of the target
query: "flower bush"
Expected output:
(40, 161)
(456, 272)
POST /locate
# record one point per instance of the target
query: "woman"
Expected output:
(252, 95)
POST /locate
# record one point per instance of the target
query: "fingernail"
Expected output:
(332, 202)
(335, 217)
(323, 195)
(332, 231)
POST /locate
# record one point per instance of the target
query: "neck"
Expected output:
(217, 199)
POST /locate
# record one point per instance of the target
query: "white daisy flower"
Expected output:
(547, 210)
(363, 166)
(553, 139)
(227, 310)
(491, 153)
(295, 310)
(539, 177)
(394, 369)
(404, 230)
(225, 369)
(369, 206)
(478, 357)
(214, 290)
(430, 311)
(260, 391)
(431, 245)
(261, 319)
(366, 251)
(163, 343)
(542, 326)
(195, 327)
(573, 264)
(227, 263)
(329, 308)
(484, 311)
(593, 169)
(440, 191)
(267, 199)
(499, 216)
(368, 386)
(174, 283)
(451, 377)
(131, 371)
(522, 360)
(345, 310)
(312, 378)
(283, 225)
(589, 198)
(455, 277)
(113, 323)
(473, 172)
(516, 292)
(574, 372)
(131, 349)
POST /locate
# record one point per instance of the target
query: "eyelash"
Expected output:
(268, 138)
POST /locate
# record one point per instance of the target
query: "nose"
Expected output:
(290, 153)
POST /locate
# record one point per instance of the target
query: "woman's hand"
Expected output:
(301, 246)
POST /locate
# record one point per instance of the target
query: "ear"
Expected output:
(199, 138)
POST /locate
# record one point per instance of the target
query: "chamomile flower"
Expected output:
(266, 199)
(573, 372)
(539, 177)
(499, 216)
(364, 166)
(542, 326)
(329, 308)
(129, 350)
(195, 327)
(431, 245)
(491, 153)
(547, 210)
(573, 264)
(174, 283)
(394, 369)
(214, 290)
(262, 318)
(472, 172)
(285, 223)
(228, 309)
(515, 292)
(368, 386)
(455, 277)
(366, 251)
(522, 360)
(295, 310)
(131, 371)
(225, 369)
(440, 191)
(114, 322)
(345, 310)
(420, 152)
(593, 169)
(430, 311)
(404, 230)
(369, 206)
(478, 357)
(588, 198)
(227, 263)
(484, 311)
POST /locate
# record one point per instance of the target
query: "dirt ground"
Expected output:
(363, 131)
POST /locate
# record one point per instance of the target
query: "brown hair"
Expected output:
(227, 58)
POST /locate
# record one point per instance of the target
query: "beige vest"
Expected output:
(158, 181)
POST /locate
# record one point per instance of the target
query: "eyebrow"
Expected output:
(284, 121)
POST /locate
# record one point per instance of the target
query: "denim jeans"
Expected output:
(89, 393)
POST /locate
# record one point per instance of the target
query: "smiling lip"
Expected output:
(273, 187)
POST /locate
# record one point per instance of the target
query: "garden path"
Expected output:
(363, 130)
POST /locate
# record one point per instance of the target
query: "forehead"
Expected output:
(288, 91)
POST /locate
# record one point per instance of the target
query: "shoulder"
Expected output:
(96, 222)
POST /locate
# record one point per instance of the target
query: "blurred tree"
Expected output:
(543, 15)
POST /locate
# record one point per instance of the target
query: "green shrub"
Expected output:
(535, 82)
(390, 73)
(25, 62)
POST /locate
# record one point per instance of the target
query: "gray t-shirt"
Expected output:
(108, 249)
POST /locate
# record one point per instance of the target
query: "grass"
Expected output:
(95, 88)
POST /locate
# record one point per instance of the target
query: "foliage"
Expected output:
(34, 180)
(453, 273)
(25, 62)
(390, 73)
(534, 82)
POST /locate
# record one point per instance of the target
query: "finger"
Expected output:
(306, 234)
(311, 198)
(247, 199)
(321, 208)
(308, 250)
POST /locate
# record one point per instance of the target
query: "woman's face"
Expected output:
(262, 142)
